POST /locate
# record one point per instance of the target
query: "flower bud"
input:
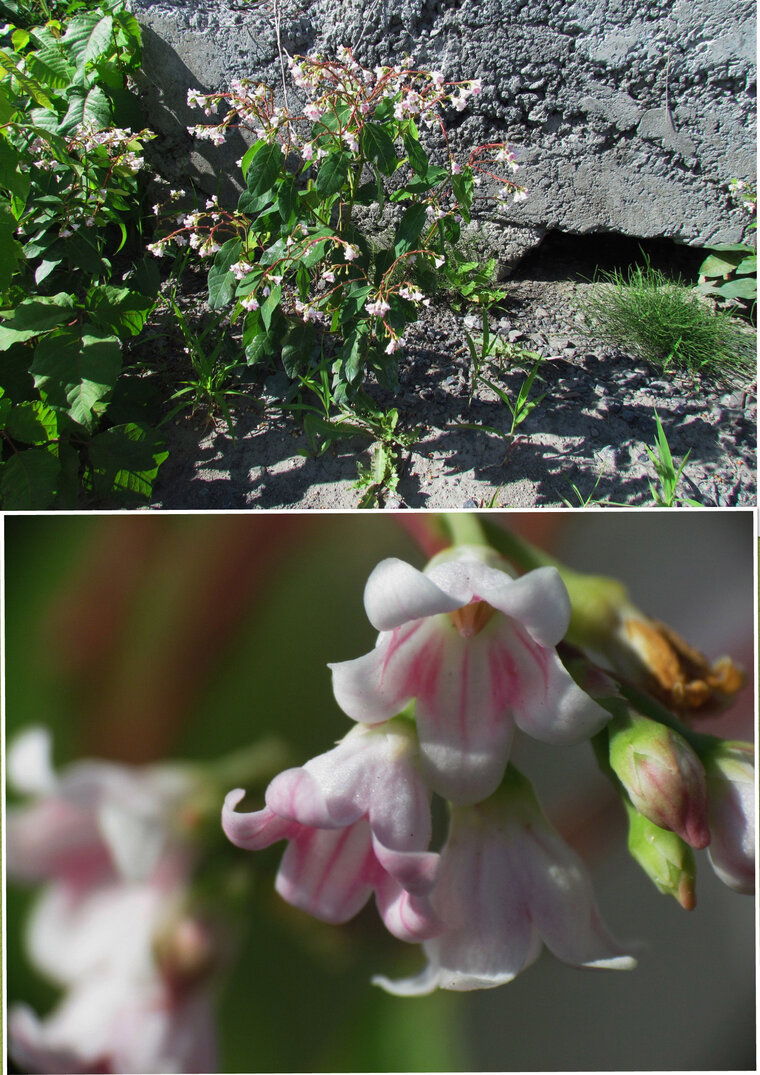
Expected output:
(664, 858)
(730, 769)
(664, 778)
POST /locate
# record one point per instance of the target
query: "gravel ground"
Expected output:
(591, 429)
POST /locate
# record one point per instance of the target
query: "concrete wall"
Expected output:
(629, 115)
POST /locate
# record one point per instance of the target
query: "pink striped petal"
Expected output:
(546, 702)
(329, 873)
(405, 662)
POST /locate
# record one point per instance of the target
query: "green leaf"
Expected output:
(270, 304)
(418, 158)
(88, 37)
(13, 176)
(298, 344)
(287, 200)
(739, 289)
(263, 169)
(34, 316)
(333, 173)
(409, 229)
(32, 422)
(75, 372)
(378, 147)
(463, 187)
(719, 265)
(262, 345)
(50, 66)
(222, 282)
(28, 481)
(87, 108)
(125, 461)
(119, 310)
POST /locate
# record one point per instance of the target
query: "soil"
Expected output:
(585, 442)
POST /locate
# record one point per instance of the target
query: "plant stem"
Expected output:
(464, 528)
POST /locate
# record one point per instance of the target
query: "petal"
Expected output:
(546, 702)
(405, 662)
(416, 871)
(538, 600)
(29, 765)
(489, 936)
(329, 873)
(255, 830)
(295, 795)
(396, 593)
(427, 981)
(559, 891)
(463, 720)
(410, 918)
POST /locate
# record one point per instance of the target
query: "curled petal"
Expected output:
(410, 918)
(538, 600)
(397, 593)
(297, 796)
(252, 831)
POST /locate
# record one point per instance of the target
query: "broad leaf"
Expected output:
(28, 481)
(409, 229)
(125, 460)
(222, 282)
(333, 173)
(263, 169)
(378, 147)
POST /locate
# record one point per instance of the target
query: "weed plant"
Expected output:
(668, 324)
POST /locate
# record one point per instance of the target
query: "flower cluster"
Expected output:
(465, 659)
(114, 927)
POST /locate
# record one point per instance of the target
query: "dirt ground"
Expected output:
(591, 430)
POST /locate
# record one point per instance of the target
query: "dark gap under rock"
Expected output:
(564, 256)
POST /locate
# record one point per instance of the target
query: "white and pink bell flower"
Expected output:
(357, 819)
(508, 885)
(475, 648)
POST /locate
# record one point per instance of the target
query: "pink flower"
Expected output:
(103, 838)
(96, 820)
(358, 821)
(731, 814)
(475, 648)
(119, 1013)
(508, 885)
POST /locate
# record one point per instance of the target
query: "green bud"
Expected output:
(663, 776)
(664, 858)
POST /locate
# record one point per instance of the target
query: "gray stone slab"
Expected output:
(627, 116)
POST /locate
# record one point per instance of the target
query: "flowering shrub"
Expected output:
(70, 211)
(292, 261)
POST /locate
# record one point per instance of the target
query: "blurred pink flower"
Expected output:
(102, 837)
(508, 884)
(95, 820)
(358, 821)
(475, 648)
(119, 1013)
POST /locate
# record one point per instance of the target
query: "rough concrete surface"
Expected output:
(628, 117)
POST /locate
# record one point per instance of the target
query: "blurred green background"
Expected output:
(145, 636)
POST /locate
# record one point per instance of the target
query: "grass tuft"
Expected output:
(667, 324)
